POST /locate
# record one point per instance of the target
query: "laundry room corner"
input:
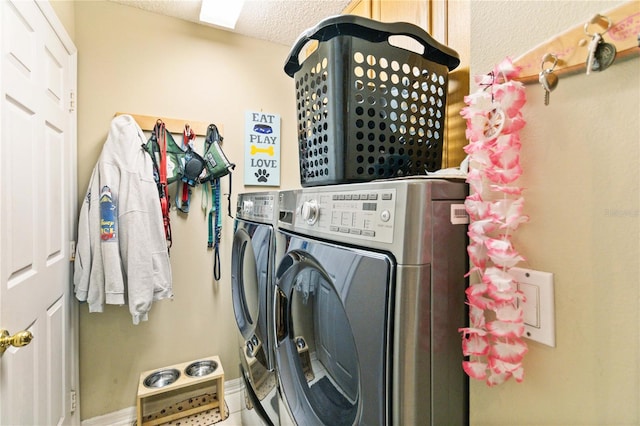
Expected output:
(579, 156)
(139, 62)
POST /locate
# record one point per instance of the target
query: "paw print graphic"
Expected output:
(262, 175)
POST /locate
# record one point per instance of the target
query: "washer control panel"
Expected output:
(256, 206)
(359, 214)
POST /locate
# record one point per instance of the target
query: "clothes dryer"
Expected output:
(252, 275)
(371, 280)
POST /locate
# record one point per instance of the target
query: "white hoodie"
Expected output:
(122, 256)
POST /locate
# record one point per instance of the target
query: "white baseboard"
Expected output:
(126, 416)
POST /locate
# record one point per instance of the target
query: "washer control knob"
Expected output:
(310, 211)
(385, 215)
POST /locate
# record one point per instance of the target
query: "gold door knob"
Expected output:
(22, 338)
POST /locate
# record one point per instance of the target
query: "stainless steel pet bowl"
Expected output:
(201, 368)
(161, 378)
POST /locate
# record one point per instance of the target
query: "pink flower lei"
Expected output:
(493, 341)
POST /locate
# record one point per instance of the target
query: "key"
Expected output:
(549, 81)
(593, 46)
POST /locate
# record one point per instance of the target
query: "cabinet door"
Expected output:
(448, 22)
(415, 12)
(360, 8)
(456, 23)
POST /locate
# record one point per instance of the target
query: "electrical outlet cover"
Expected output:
(539, 308)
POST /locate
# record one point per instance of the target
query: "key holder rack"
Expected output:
(572, 46)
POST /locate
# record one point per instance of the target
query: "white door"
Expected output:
(37, 210)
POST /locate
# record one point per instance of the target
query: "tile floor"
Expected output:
(233, 420)
(234, 403)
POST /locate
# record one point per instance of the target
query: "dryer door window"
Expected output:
(249, 276)
(331, 324)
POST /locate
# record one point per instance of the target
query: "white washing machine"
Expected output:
(370, 288)
(252, 277)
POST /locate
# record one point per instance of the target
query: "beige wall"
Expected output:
(65, 10)
(580, 157)
(138, 62)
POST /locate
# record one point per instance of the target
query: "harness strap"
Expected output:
(184, 208)
(214, 135)
(215, 211)
(187, 136)
(186, 195)
(161, 138)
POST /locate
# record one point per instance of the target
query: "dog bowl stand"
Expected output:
(183, 381)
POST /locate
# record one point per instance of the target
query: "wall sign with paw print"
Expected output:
(262, 149)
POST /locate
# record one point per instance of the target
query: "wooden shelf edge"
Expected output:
(174, 125)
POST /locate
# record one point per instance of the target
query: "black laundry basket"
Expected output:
(366, 108)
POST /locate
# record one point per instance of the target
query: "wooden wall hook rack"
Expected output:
(174, 125)
(571, 46)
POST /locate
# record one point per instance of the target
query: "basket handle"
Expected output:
(373, 31)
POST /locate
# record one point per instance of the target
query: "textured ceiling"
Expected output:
(278, 21)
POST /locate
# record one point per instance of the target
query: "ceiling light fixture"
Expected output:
(223, 13)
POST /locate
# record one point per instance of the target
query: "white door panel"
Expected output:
(37, 177)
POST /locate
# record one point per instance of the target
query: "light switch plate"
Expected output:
(539, 308)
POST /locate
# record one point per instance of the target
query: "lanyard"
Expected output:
(215, 223)
(161, 139)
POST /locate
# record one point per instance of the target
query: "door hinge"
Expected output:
(72, 250)
(73, 401)
(72, 101)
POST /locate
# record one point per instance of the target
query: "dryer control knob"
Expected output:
(310, 211)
